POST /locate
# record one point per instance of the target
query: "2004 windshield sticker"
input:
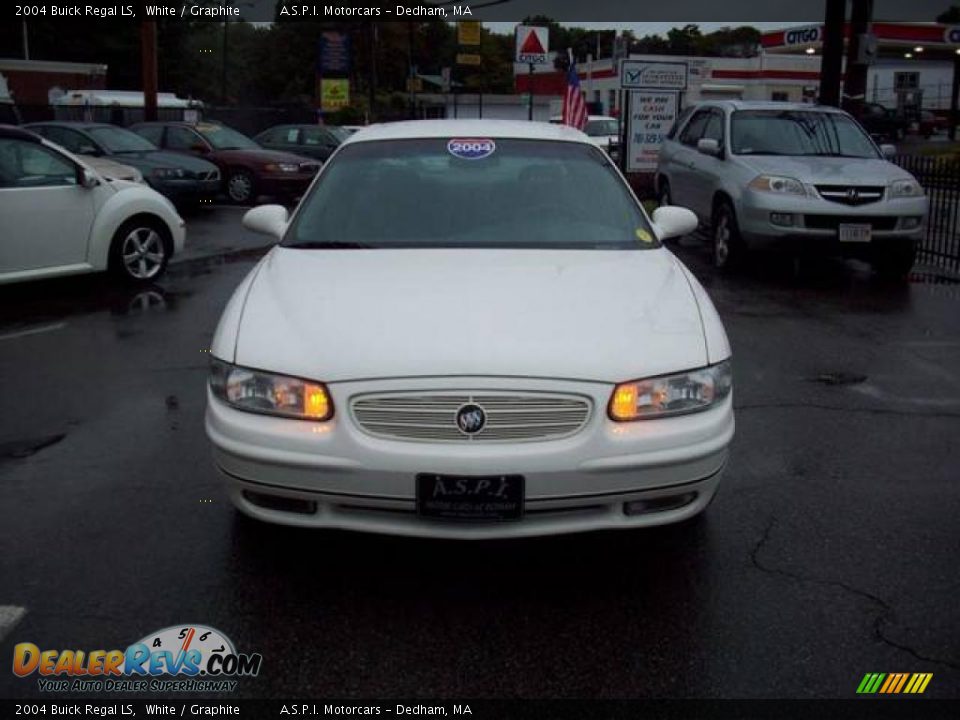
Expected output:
(180, 658)
(471, 148)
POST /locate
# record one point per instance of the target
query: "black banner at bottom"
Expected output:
(867, 709)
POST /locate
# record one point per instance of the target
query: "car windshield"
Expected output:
(119, 140)
(223, 138)
(470, 193)
(599, 128)
(798, 132)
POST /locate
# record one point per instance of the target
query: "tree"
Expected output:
(950, 16)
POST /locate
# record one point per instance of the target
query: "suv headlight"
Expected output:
(167, 172)
(905, 188)
(778, 184)
(671, 394)
(261, 392)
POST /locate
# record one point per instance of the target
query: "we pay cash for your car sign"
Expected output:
(654, 97)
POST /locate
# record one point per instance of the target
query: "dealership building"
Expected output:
(912, 69)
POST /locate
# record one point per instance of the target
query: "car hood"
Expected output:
(336, 315)
(261, 156)
(827, 170)
(148, 160)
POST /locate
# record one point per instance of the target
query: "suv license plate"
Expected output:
(460, 497)
(854, 233)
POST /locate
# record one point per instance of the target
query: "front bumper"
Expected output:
(187, 189)
(814, 221)
(344, 478)
(291, 185)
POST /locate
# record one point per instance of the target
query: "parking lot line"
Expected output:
(9, 616)
(32, 331)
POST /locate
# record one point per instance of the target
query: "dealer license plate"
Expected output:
(462, 497)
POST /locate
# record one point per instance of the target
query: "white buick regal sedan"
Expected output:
(470, 329)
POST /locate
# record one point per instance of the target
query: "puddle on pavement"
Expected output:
(19, 449)
(839, 378)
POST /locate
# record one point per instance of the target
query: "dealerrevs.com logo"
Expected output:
(181, 658)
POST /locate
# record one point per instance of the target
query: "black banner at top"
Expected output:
(733, 11)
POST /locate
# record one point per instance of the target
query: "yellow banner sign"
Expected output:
(468, 32)
(467, 59)
(334, 93)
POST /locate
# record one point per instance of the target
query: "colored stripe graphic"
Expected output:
(894, 683)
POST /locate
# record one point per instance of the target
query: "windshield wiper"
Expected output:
(837, 154)
(314, 245)
(761, 152)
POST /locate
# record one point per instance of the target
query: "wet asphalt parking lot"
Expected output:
(831, 550)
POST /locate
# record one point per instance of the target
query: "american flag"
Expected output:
(574, 108)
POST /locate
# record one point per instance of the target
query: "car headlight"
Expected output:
(261, 392)
(778, 184)
(905, 188)
(167, 172)
(671, 394)
(281, 167)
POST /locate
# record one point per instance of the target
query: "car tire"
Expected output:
(895, 261)
(241, 187)
(140, 250)
(725, 242)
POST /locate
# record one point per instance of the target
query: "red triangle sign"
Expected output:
(531, 45)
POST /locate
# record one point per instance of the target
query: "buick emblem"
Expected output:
(471, 419)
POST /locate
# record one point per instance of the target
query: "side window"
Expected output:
(694, 129)
(71, 140)
(181, 138)
(678, 123)
(714, 127)
(153, 133)
(316, 136)
(28, 164)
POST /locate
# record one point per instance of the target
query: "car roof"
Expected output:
(766, 105)
(13, 132)
(516, 129)
(75, 124)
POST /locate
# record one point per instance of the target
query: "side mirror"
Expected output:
(708, 146)
(88, 178)
(199, 148)
(888, 151)
(267, 220)
(671, 221)
(89, 150)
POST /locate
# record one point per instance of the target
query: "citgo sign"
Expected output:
(802, 35)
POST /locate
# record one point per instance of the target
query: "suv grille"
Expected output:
(851, 194)
(432, 416)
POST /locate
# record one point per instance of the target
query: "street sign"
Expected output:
(636, 74)
(533, 44)
(334, 94)
(414, 85)
(468, 32)
(334, 54)
(468, 59)
(652, 113)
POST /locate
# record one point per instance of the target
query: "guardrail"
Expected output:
(940, 178)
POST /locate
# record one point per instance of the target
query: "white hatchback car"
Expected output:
(60, 217)
(470, 329)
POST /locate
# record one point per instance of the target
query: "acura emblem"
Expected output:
(471, 419)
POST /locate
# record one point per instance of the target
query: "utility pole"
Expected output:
(148, 63)
(372, 71)
(26, 41)
(831, 65)
(855, 80)
(530, 109)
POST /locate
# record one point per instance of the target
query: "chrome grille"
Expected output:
(851, 194)
(510, 416)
